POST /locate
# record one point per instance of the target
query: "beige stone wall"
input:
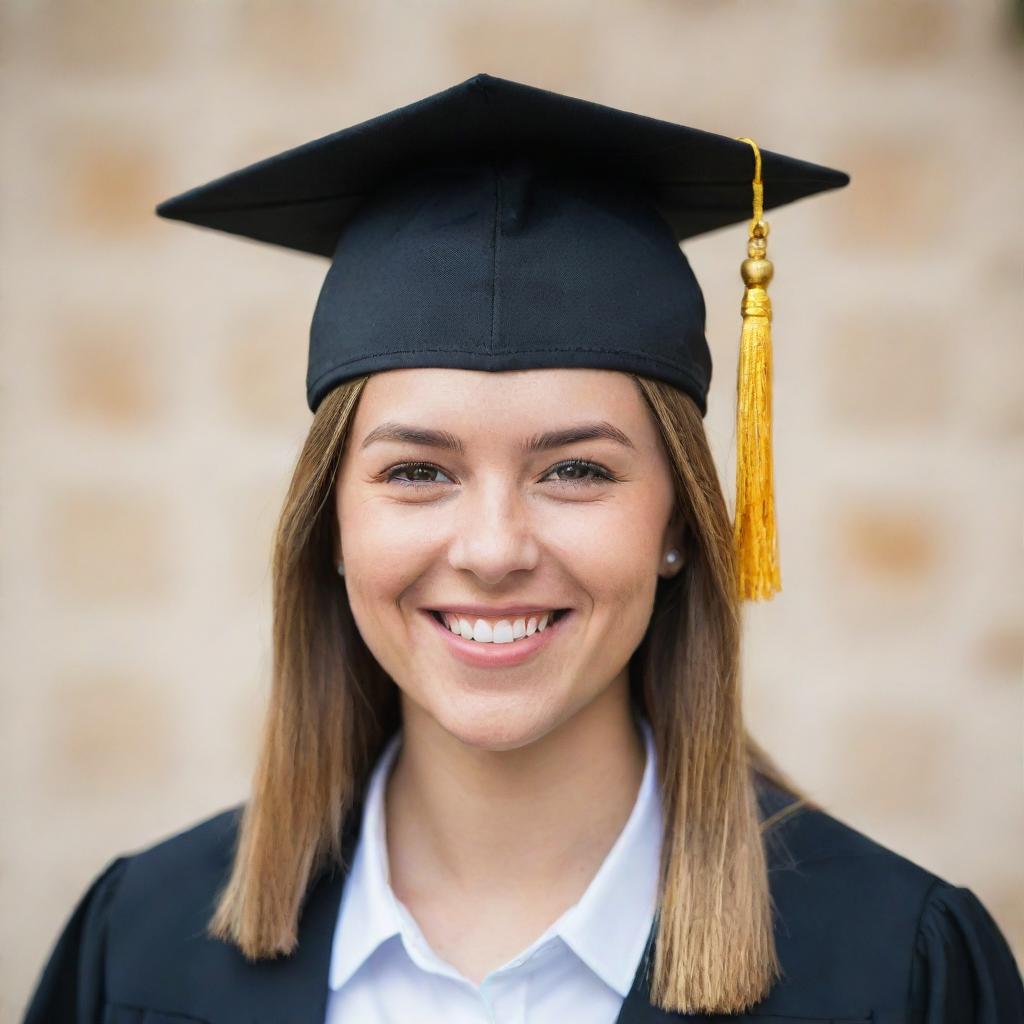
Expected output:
(152, 397)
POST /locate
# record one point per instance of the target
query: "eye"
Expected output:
(592, 473)
(411, 467)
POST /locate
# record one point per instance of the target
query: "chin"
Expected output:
(505, 722)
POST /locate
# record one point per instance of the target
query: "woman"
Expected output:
(504, 773)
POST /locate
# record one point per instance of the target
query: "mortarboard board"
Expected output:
(499, 226)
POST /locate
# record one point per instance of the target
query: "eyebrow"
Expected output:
(546, 441)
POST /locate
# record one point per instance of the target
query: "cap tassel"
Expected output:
(754, 526)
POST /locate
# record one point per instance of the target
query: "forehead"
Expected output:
(501, 401)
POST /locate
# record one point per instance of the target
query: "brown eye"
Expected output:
(588, 472)
(413, 469)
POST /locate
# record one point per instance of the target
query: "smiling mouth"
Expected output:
(509, 650)
(521, 631)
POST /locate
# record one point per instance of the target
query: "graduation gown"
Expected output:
(863, 935)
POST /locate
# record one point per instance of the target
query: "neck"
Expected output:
(540, 817)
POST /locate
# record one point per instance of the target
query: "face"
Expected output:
(488, 510)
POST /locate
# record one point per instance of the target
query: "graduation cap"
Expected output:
(499, 226)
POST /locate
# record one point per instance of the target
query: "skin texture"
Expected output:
(512, 784)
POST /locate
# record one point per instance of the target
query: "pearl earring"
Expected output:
(672, 557)
(341, 568)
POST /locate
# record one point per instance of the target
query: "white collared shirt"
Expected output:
(581, 968)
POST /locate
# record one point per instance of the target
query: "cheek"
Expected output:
(612, 551)
(379, 536)
(384, 556)
(615, 562)
(622, 585)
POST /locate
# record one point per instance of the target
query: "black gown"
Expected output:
(863, 935)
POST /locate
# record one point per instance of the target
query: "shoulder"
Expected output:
(862, 928)
(168, 886)
(186, 863)
(138, 929)
(165, 896)
(809, 841)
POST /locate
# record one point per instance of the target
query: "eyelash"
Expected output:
(602, 475)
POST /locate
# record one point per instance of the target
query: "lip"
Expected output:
(479, 655)
(483, 612)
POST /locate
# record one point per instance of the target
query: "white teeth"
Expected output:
(504, 631)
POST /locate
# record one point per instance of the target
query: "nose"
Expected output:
(493, 533)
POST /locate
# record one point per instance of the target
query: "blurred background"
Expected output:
(153, 395)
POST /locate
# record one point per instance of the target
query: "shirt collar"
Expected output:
(607, 928)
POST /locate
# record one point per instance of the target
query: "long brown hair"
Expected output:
(332, 708)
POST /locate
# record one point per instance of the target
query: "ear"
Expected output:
(674, 539)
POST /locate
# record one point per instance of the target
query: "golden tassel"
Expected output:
(754, 525)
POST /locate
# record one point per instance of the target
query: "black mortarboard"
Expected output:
(499, 226)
